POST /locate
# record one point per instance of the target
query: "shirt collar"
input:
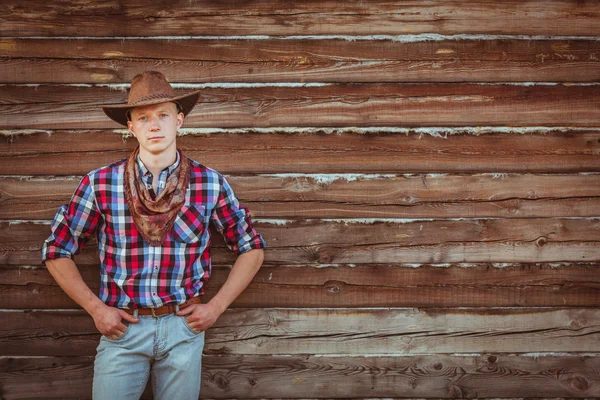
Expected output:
(146, 172)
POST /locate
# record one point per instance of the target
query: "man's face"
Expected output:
(155, 126)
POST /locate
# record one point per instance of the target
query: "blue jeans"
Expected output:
(164, 346)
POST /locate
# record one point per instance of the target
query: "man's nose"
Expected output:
(154, 123)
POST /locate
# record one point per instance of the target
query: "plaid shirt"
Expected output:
(135, 274)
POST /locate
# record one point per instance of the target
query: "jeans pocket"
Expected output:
(120, 338)
(188, 327)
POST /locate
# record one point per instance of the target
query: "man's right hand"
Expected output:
(109, 321)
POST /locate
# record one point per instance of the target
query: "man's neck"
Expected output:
(157, 162)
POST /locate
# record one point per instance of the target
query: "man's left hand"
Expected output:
(200, 317)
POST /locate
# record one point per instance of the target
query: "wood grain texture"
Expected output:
(147, 18)
(355, 331)
(461, 150)
(357, 241)
(358, 196)
(429, 197)
(306, 376)
(401, 285)
(300, 60)
(377, 104)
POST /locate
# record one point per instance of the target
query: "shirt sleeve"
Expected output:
(73, 224)
(234, 222)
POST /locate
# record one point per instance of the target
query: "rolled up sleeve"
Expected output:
(73, 224)
(234, 222)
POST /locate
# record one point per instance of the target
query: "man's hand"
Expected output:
(203, 316)
(200, 316)
(108, 321)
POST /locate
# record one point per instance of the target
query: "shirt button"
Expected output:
(154, 294)
(156, 267)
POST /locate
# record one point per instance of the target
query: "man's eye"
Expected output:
(164, 115)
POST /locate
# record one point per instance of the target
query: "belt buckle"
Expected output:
(153, 313)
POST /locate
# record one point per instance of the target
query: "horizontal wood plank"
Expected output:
(358, 241)
(147, 18)
(539, 250)
(334, 331)
(377, 104)
(300, 60)
(306, 376)
(320, 151)
(455, 285)
(358, 196)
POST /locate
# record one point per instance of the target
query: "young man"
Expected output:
(151, 213)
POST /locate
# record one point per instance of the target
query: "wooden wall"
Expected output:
(426, 174)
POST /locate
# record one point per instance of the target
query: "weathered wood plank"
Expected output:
(510, 251)
(377, 104)
(456, 285)
(323, 150)
(358, 241)
(146, 18)
(429, 376)
(358, 196)
(290, 233)
(358, 331)
(300, 60)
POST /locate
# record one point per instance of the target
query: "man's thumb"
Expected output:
(128, 317)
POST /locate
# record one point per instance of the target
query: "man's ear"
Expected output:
(180, 117)
(130, 128)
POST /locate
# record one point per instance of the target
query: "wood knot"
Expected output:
(437, 366)
(492, 359)
(325, 259)
(273, 320)
(409, 200)
(312, 254)
(222, 382)
(456, 392)
(333, 287)
(575, 325)
(252, 381)
(579, 383)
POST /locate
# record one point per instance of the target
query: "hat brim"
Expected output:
(118, 113)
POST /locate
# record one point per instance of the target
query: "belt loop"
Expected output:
(153, 313)
(135, 313)
(176, 307)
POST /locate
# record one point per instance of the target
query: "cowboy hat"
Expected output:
(150, 87)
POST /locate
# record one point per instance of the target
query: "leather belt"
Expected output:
(167, 309)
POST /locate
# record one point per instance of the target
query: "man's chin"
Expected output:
(154, 150)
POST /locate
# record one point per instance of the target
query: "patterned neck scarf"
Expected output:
(154, 218)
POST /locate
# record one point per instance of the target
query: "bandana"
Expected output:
(154, 218)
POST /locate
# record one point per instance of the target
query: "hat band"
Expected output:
(151, 97)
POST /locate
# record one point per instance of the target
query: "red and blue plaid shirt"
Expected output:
(135, 274)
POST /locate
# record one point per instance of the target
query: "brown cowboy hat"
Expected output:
(150, 87)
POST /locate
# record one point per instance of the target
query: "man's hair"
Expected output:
(128, 112)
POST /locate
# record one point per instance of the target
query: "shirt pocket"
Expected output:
(189, 224)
